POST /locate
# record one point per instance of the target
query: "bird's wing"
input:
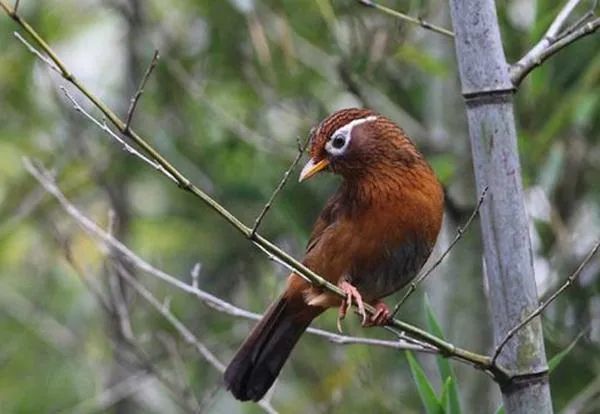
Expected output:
(327, 218)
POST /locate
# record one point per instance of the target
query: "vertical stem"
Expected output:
(487, 90)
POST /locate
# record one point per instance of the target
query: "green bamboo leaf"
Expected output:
(500, 409)
(444, 367)
(424, 387)
(444, 395)
(556, 359)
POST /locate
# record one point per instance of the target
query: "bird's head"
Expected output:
(354, 141)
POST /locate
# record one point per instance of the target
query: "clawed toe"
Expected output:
(351, 293)
(381, 316)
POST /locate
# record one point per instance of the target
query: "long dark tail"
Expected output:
(257, 363)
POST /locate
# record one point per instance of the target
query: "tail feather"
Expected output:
(257, 363)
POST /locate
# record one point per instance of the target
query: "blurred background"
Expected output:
(237, 84)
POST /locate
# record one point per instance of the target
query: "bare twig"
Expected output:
(185, 333)
(459, 234)
(140, 90)
(112, 395)
(581, 21)
(37, 53)
(414, 20)
(178, 363)
(38, 321)
(284, 179)
(558, 23)
(545, 304)
(196, 274)
(126, 147)
(134, 352)
(554, 40)
(120, 306)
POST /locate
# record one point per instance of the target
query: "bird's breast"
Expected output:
(390, 270)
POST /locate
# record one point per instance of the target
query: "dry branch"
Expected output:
(140, 90)
(402, 16)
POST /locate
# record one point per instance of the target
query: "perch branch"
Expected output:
(459, 234)
(414, 20)
(548, 301)
(110, 243)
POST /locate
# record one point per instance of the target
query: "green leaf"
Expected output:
(500, 409)
(424, 387)
(444, 395)
(556, 359)
(444, 367)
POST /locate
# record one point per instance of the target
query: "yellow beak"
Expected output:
(311, 168)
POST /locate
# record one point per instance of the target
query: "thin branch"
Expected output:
(109, 242)
(414, 20)
(284, 179)
(558, 23)
(37, 320)
(554, 40)
(459, 233)
(140, 90)
(108, 397)
(183, 331)
(548, 301)
(446, 348)
(181, 378)
(195, 273)
(581, 21)
(137, 355)
(126, 147)
(37, 53)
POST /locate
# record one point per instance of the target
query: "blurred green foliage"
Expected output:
(238, 84)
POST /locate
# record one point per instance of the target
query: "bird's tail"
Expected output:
(257, 363)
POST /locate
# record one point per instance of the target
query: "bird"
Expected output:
(371, 239)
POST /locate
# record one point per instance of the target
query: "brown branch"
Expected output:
(140, 90)
(459, 234)
(414, 20)
(545, 304)
(284, 179)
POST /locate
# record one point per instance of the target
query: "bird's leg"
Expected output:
(351, 292)
(381, 317)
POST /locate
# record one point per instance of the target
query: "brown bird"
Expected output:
(373, 236)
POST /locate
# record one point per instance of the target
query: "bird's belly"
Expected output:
(397, 266)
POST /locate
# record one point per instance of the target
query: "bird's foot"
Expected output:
(351, 292)
(381, 317)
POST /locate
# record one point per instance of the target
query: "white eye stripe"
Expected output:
(346, 132)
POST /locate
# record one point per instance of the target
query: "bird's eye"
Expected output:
(338, 141)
